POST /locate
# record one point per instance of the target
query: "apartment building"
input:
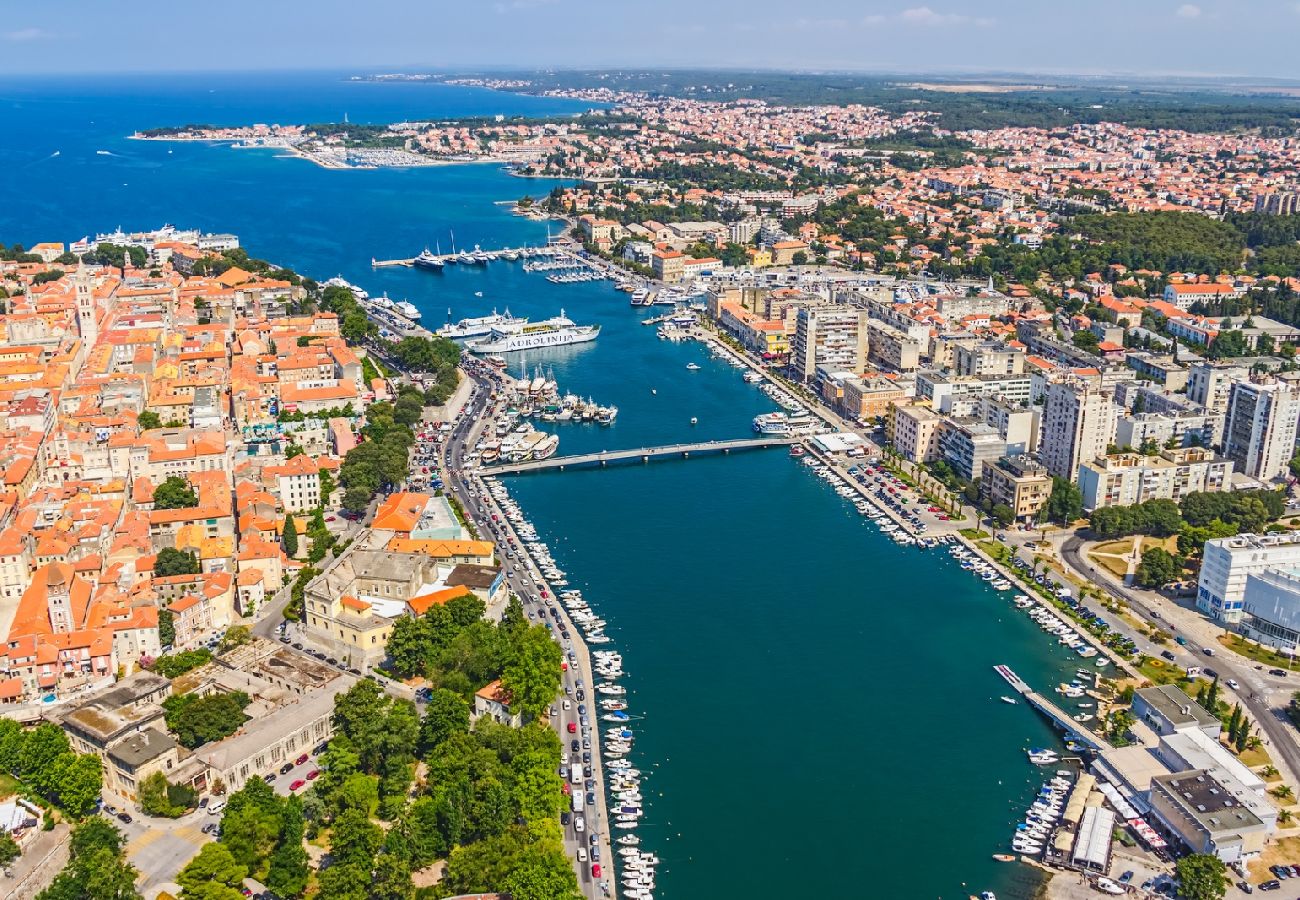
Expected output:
(966, 444)
(1208, 383)
(1123, 479)
(831, 338)
(1078, 425)
(1020, 482)
(988, 358)
(893, 348)
(1260, 431)
(914, 431)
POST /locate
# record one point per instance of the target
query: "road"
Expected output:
(1197, 632)
(526, 582)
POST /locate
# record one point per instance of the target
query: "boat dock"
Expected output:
(645, 454)
(454, 258)
(1059, 717)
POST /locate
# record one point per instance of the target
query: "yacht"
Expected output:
(407, 309)
(546, 448)
(427, 260)
(692, 367)
(1011, 700)
(481, 326)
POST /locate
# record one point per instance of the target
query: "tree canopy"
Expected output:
(175, 493)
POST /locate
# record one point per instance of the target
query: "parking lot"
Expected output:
(160, 848)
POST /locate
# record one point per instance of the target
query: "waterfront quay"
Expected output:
(476, 257)
(526, 581)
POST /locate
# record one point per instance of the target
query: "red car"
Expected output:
(297, 784)
(300, 760)
(564, 667)
(573, 728)
(595, 870)
(311, 776)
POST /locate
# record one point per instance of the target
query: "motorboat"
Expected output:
(1106, 886)
(1012, 700)
(629, 840)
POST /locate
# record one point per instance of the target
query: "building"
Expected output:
(1208, 383)
(1179, 429)
(1227, 563)
(832, 338)
(870, 398)
(1271, 608)
(893, 348)
(914, 432)
(1206, 816)
(668, 265)
(1078, 425)
(1260, 431)
(1018, 482)
(297, 483)
(988, 358)
(493, 701)
(968, 444)
(1168, 710)
(1124, 479)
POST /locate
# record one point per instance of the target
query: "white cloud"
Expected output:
(1188, 11)
(925, 17)
(26, 34)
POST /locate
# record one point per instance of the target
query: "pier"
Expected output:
(645, 454)
(1059, 717)
(454, 258)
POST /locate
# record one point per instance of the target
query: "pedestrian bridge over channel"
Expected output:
(644, 454)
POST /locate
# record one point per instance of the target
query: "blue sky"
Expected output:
(1249, 37)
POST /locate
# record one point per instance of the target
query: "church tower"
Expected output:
(87, 311)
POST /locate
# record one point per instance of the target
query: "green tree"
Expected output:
(171, 561)
(532, 674)
(288, 871)
(289, 537)
(9, 849)
(1002, 515)
(44, 755)
(153, 797)
(166, 627)
(1065, 503)
(80, 782)
(213, 874)
(96, 869)
(175, 493)
(1086, 341)
(197, 720)
(148, 420)
(1158, 567)
(1242, 741)
(236, 636)
(541, 874)
(1202, 876)
(410, 646)
(392, 878)
(445, 714)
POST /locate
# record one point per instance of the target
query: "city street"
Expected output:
(526, 582)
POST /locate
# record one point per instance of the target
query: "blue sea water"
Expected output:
(820, 713)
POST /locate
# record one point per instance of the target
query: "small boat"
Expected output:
(1012, 700)
(1109, 887)
(1004, 857)
(692, 367)
(629, 840)
(694, 421)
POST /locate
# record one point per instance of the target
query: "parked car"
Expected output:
(297, 784)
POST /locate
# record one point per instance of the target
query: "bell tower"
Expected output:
(87, 312)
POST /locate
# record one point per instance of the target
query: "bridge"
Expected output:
(645, 454)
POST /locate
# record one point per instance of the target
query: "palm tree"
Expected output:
(1269, 771)
(1283, 792)
(1284, 817)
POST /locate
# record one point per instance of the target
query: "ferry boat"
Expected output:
(557, 332)
(481, 326)
(640, 297)
(407, 309)
(427, 260)
(771, 423)
(546, 447)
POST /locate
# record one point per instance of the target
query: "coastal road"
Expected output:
(1271, 720)
(526, 582)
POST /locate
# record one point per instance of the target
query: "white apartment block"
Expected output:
(1123, 479)
(832, 338)
(1078, 425)
(1228, 561)
(1260, 432)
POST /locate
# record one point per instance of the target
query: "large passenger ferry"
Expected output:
(481, 326)
(559, 331)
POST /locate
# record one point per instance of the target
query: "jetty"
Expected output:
(644, 454)
(1080, 733)
(455, 258)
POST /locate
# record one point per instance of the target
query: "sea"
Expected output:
(816, 709)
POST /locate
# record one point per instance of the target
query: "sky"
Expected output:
(1090, 37)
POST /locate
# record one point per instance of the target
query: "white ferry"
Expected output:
(407, 309)
(557, 332)
(482, 326)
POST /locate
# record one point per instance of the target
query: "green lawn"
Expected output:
(1158, 671)
(1258, 653)
(8, 785)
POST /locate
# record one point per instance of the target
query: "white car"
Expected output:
(582, 854)
(1232, 683)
